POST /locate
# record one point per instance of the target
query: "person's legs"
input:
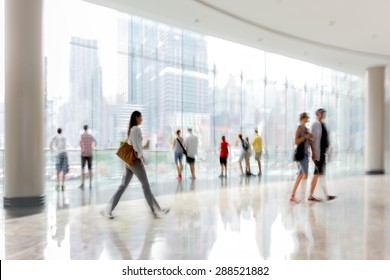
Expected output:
(222, 161)
(248, 164)
(303, 188)
(257, 158)
(180, 168)
(126, 178)
(240, 159)
(176, 159)
(83, 161)
(260, 165)
(90, 177)
(324, 186)
(177, 168)
(318, 171)
(82, 177)
(192, 168)
(296, 184)
(58, 169)
(140, 172)
(90, 171)
(240, 164)
(58, 179)
(65, 168)
(63, 178)
(313, 185)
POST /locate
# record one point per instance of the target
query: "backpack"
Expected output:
(245, 145)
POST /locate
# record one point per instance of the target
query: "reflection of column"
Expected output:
(375, 120)
(24, 183)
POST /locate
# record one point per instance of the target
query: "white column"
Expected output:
(375, 120)
(24, 104)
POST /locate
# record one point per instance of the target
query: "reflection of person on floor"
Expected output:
(265, 218)
(62, 218)
(135, 140)
(179, 188)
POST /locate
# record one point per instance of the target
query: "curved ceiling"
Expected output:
(348, 35)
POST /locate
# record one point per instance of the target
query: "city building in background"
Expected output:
(98, 73)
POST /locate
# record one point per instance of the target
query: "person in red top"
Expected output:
(223, 155)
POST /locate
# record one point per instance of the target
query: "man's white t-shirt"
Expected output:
(59, 141)
(191, 145)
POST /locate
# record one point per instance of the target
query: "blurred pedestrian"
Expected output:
(191, 145)
(178, 152)
(135, 140)
(258, 149)
(302, 140)
(58, 142)
(223, 155)
(320, 146)
(87, 144)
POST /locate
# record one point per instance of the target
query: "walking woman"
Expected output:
(302, 137)
(135, 139)
(243, 146)
(248, 154)
(178, 151)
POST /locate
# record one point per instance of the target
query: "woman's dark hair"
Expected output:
(59, 131)
(133, 120)
(178, 132)
(240, 136)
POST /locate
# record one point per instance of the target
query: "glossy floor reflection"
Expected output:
(234, 218)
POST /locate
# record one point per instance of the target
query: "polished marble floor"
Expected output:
(233, 218)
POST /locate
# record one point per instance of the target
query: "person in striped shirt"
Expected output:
(87, 144)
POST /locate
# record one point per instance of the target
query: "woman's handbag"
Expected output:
(127, 153)
(299, 152)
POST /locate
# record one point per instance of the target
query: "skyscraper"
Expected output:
(87, 102)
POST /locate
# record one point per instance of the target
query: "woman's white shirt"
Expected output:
(135, 140)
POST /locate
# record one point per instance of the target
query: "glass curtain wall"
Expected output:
(101, 65)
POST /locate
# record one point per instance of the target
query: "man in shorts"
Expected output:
(87, 144)
(59, 143)
(223, 155)
(191, 145)
(319, 147)
(258, 148)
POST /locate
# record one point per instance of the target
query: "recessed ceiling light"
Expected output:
(197, 20)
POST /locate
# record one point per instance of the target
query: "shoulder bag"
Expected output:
(127, 153)
(184, 150)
